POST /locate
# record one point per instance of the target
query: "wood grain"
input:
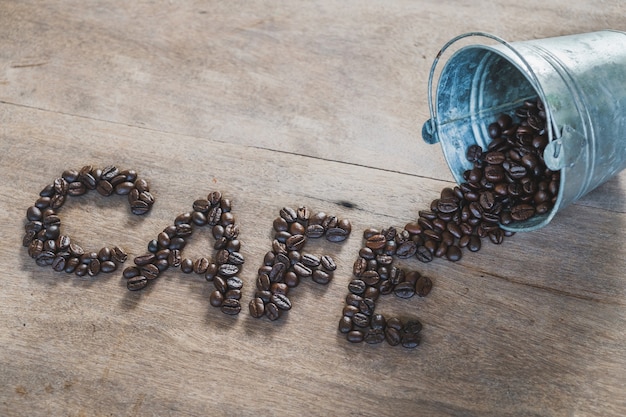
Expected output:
(303, 103)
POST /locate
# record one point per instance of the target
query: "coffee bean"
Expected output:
(257, 307)
(288, 214)
(423, 285)
(272, 311)
(321, 277)
(231, 306)
(315, 231)
(393, 336)
(144, 259)
(345, 324)
(328, 263)
(150, 271)
(295, 242)
(337, 234)
(376, 242)
(281, 301)
(410, 340)
(216, 299)
(357, 286)
(522, 212)
(136, 283)
(117, 254)
(355, 336)
(423, 254)
(228, 270)
(108, 266)
(404, 290)
(374, 336)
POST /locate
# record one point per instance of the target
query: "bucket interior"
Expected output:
(477, 85)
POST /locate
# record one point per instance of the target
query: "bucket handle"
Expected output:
(429, 131)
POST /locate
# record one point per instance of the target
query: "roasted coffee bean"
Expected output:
(297, 228)
(302, 270)
(117, 254)
(58, 263)
(406, 249)
(337, 234)
(216, 298)
(355, 336)
(234, 283)
(522, 212)
(474, 153)
(220, 284)
(315, 231)
(150, 271)
(94, 267)
(145, 259)
(423, 254)
(454, 253)
(211, 272)
(361, 319)
(376, 242)
(328, 263)
(108, 266)
(137, 282)
(256, 307)
(200, 265)
(71, 265)
(263, 295)
(367, 306)
(233, 294)
(186, 265)
(81, 270)
(374, 336)
(357, 286)
(291, 279)
(423, 285)
(295, 242)
(345, 324)
(130, 272)
(281, 301)
(104, 254)
(290, 215)
(404, 290)
(231, 306)
(310, 260)
(393, 336)
(321, 277)
(410, 340)
(272, 311)
(228, 270)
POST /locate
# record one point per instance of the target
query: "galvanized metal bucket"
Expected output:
(581, 80)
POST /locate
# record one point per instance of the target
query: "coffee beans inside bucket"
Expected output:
(508, 182)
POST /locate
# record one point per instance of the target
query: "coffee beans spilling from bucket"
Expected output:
(43, 237)
(508, 182)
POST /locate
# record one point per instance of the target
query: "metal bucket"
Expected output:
(581, 80)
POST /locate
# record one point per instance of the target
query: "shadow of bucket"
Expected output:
(581, 80)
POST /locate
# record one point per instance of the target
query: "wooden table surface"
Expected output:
(317, 104)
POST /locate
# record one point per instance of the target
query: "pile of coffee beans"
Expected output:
(166, 251)
(287, 263)
(43, 237)
(375, 275)
(508, 182)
